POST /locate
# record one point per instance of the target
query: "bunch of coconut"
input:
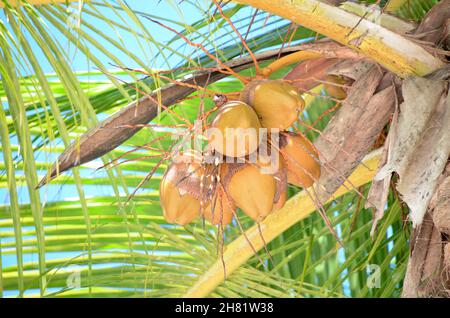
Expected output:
(244, 177)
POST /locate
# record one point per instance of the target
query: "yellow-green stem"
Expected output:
(289, 60)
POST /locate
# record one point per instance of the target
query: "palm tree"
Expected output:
(87, 234)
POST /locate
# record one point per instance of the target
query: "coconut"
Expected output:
(302, 159)
(235, 130)
(183, 188)
(277, 103)
(253, 188)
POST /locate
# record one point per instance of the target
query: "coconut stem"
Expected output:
(289, 60)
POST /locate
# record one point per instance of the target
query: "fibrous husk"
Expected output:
(350, 68)
(423, 274)
(308, 74)
(352, 131)
(446, 269)
(379, 190)
(422, 143)
(428, 271)
(432, 28)
(378, 193)
(190, 175)
(447, 257)
(441, 210)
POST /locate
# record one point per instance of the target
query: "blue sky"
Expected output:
(184, 14)
(165, 9)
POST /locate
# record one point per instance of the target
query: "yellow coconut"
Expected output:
(234, 131)
(251, 187)
(181, 189)
(277, 103)
(302, 159)
(178, 208)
